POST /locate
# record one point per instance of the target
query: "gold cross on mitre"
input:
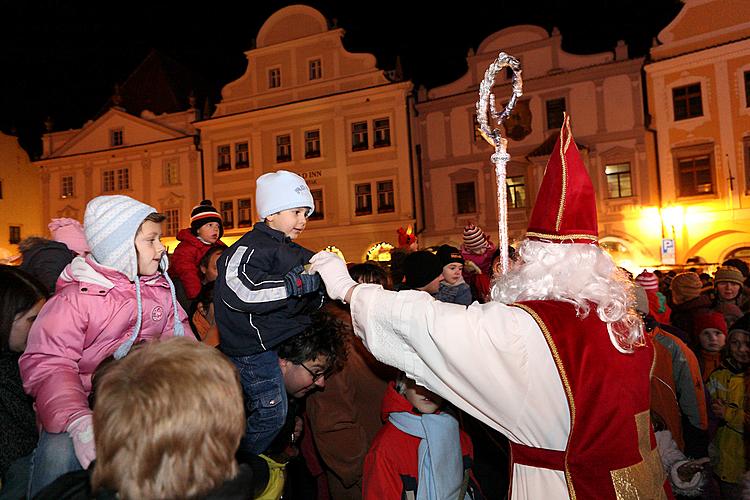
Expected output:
(644, 480)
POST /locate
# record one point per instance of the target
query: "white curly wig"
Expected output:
(580, 274)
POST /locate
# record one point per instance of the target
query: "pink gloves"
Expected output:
(334, 273)
(82, 432)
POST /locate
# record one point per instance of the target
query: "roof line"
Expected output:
(118, 148)
(299, 101)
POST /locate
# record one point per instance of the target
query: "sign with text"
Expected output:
(668, 251)
(311, 177)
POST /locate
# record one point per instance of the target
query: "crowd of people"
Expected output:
(227, 372)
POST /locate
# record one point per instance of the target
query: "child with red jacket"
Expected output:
(420, 452)
(204, 232)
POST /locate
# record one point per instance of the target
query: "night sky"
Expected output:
(62, 58)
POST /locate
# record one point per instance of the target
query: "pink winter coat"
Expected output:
(183, 263)
(484, 260)
(92, 313)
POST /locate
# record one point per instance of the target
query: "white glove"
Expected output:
(82, 432)
(333, 271)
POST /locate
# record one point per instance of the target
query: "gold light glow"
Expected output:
(380, 252)
(334, 249)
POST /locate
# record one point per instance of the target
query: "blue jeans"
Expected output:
(265, 399)
(54, 456)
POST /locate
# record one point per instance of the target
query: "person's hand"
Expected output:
(298, 282)
(334, 273)
(687, 470)
(297, 432)
(82, 433)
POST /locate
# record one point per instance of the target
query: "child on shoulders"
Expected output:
(263, 296)
(203, 234)
(117, 296)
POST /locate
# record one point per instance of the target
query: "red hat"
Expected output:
(565, 209)
(710, 320)
(648, 281)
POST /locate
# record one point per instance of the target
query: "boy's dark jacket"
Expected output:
(253, 310)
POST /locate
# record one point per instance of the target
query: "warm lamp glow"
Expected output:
(673, 216)
(380, 252)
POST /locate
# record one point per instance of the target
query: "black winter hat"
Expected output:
(204, 213)
(421, 267)
(448, 254)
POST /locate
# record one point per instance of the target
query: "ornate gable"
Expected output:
(97, 135)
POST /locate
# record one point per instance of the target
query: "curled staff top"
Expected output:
(486, 114)
(486, 108)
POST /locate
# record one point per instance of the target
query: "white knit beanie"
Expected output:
(281, 190)
(110, 224)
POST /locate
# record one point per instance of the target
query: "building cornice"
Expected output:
(291, 105)
(564, 79)
(703, 56)
(53, 159)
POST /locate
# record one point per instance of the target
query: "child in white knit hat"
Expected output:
(263, 296)
(105, 302)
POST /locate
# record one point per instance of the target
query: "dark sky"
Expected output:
(62, 58)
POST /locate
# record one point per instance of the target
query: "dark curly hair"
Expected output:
(322, 338)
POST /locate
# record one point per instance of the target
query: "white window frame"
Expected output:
(378, 141)
(315, 71)
(171, 171)
(363, 137)
(315, 142)
(67, 191)
(274, 77)
(238, 155)
(247, 221)
(319, 213)
(222, 166)
(116, 179)
(385, 208)
(227, 223)
(513, 204)
(281, 158)
(116, 137)
(172, 223)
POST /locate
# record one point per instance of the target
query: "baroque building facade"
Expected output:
(699, 101)
(307, 105)
(603, 95)
(142, 145)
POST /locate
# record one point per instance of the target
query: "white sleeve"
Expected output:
(475, 357)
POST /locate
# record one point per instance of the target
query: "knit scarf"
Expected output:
(440, 457)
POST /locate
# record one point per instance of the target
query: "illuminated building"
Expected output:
(141, 145)
(19, 195)
(307, 105)
(602, 93)
(698, 83)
